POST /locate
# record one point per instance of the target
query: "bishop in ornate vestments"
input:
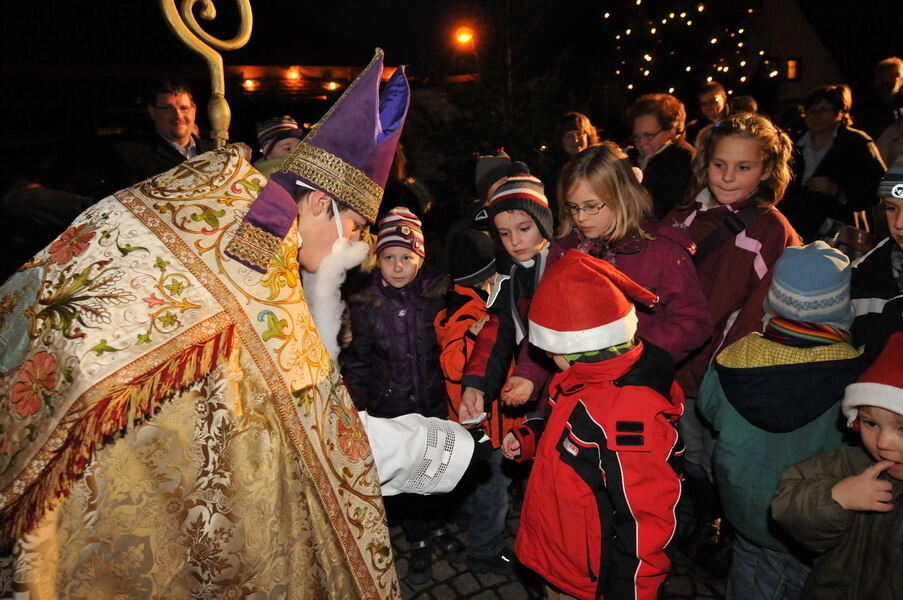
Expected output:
(171, 425)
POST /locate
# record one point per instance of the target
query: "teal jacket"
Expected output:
(772, 406)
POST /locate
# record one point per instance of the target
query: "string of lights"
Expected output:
(655, 45)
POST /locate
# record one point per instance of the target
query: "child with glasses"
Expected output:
(606, 212)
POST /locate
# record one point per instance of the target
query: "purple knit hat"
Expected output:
(349, 152)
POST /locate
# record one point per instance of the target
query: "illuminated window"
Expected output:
(793, 69)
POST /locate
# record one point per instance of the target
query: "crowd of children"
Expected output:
(587, 349)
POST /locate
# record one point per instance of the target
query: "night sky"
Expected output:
(73, 68)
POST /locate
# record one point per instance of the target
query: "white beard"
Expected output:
(322, 290)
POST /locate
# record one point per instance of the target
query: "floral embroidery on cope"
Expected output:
(36, 382)
(73, 242)
(353, 440)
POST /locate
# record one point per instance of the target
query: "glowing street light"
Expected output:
(464, 35)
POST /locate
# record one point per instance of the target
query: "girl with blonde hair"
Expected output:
(606, 212)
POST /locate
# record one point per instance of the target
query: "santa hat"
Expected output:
(522, 191)
(400, 228)
(582, 305)
(881, 385)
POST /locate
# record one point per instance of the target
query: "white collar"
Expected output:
(806, 139)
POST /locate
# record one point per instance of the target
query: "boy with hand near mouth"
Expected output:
(846, 503)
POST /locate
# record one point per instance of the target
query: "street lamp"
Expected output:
(464, 36)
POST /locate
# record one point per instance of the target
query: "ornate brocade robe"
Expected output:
(170, 423)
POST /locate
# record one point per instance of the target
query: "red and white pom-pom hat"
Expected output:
(881, 385)
(581, 305)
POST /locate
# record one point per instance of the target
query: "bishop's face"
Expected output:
(317, 224)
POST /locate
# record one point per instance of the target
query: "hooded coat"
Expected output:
(772, 405)
(599, 507)
(861, 557)
(391, 365)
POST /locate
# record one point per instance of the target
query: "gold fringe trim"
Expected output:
(125, 406)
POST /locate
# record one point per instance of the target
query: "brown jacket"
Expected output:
(862, 552)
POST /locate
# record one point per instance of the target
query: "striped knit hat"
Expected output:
(522, 191)
(400, 227)
(812, 283)
(891, 185)
(271, 131)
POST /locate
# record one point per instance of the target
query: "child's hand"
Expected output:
(510, 446)
(822, 185)
(471, 404)
(865, 491)
(476, 327)
(516, 391)
(345, 335)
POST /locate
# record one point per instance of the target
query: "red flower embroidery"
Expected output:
(352, 440)
(152, 301)
(37, 377)
(73, 242)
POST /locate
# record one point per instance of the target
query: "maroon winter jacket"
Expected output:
(679, 323)
(735, 278)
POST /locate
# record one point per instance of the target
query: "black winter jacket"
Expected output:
(854, 164)
(877, 299)
(667, 175)
(392, 366)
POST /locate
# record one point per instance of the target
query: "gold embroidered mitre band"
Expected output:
(349, 152)
(336, 177)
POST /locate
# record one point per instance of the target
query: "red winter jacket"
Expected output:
(600, 501)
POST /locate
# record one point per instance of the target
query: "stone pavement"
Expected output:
(452, 581)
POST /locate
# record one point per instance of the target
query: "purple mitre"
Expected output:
(347, 155)
(349, 152)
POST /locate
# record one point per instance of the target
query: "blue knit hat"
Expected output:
(812, 283)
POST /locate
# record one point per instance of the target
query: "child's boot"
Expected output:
(420, 565)
(447, 545)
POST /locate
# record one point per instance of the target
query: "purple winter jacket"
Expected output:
(681, 320)
(392, 366)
